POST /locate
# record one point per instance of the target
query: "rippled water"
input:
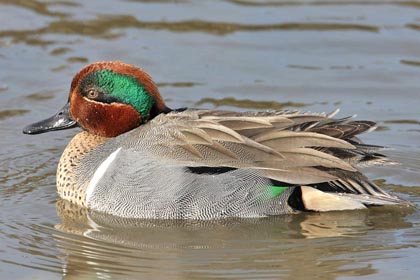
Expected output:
(361, 56)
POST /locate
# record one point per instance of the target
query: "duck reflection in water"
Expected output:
(113, 246)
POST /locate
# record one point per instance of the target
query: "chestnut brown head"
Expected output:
(107, 99)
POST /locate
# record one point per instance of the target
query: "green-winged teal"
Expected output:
(138, 158)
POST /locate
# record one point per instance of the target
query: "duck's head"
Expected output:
(106, 99)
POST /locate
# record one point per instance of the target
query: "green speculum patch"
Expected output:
(125, 88)
(275, 191)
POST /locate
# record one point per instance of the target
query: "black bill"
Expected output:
(61, 120)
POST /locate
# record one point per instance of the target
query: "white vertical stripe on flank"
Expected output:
(99, 173)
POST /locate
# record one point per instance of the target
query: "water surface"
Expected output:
(360, 56)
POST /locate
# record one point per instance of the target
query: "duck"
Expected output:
(137, 158)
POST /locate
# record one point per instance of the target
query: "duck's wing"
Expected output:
(286, 146)
(361, 155)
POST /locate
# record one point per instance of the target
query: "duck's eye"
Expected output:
(92, 93)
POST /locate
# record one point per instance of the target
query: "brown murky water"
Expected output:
(361, 56)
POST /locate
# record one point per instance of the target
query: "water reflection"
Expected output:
(322, 3)
(249, 104)
(97, 244)
(5, 114)
(103, 26)
(41, 8)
